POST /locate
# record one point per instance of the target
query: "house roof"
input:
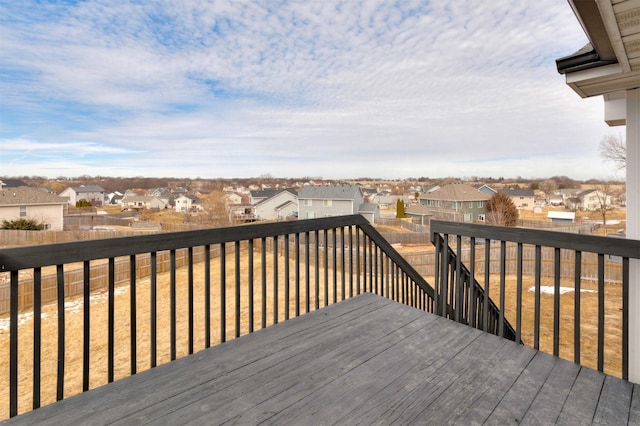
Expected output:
(456, 192)
(11, 183)
(87, 188)
(25, 195)
(368, 208)
(330, 192)
(515, 192)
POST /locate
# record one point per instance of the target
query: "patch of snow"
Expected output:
(548, 289)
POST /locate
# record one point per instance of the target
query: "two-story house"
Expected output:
(457, 202)
(523, 199)
(31, 203)
(94, 194)
(280, 205)
(316, 201)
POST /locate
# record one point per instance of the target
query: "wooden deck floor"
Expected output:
(367, 360)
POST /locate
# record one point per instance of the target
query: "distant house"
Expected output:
(316, 201)
(555, 200)
(92, 193)
(593, 199)
(187, 203)
(524, 199)
(486, 189)
(140, 202)
(282, 204)
(25, 202)
(257, 196)
(456, 202)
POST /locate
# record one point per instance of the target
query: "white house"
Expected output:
(186, 203)
(92, 193)
(609, 66)
(139, 202)
(31, 203)
(282, 204)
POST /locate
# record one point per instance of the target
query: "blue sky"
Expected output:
(338, 89)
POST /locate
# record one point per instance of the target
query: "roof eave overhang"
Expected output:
(605, 69)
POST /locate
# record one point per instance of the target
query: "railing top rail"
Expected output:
(16, 258)
(624, 247)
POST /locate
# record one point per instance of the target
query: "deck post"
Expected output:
(633, 227)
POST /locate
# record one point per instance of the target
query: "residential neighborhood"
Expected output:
(451, 200)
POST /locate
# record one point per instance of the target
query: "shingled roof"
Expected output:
(26, 195)
(456, 192)
(329, 192)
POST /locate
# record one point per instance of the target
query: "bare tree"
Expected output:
(548, 186)
(217, 213)
(501, 210)
(614, 149)
(603, 192)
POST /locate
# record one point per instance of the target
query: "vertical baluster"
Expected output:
(458, 315)
(307, 278)
(132, 314)
(350, 261)
(376, 268)
(61, 330)
(556, 301)
(625, 318)
(111, 296)
(223, 292)
(437, 307)
(600, 312)
(536, 305)
(297, 268)
(503, 263)
(172, 302)
(325, 256)
(13, 344)
(207, 296)
(343, 258)
(238, 283)
(576, 306)
(364, 263)
(519, 294)
(335, 266)
(264, 281)
(472, 291)
(250, 283)
(275, 279)
(487, 279)
(190, 296)
(317, 271)
(357, 260)
(153, 301)
(286, 277)
(371, 257)
(37, 334)
(388, 276)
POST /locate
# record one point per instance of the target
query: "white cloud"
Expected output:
(328, 88)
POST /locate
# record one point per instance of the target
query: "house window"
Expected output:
(46, 226)
(311, 215)
(480, 204)
(23, 211)
(307, 203)
(327, 203)
(480, 218)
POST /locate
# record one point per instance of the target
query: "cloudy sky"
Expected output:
(337, 89)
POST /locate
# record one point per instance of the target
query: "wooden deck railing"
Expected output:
(597, 320)
(233, 280)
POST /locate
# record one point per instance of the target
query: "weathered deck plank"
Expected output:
(366, 360)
